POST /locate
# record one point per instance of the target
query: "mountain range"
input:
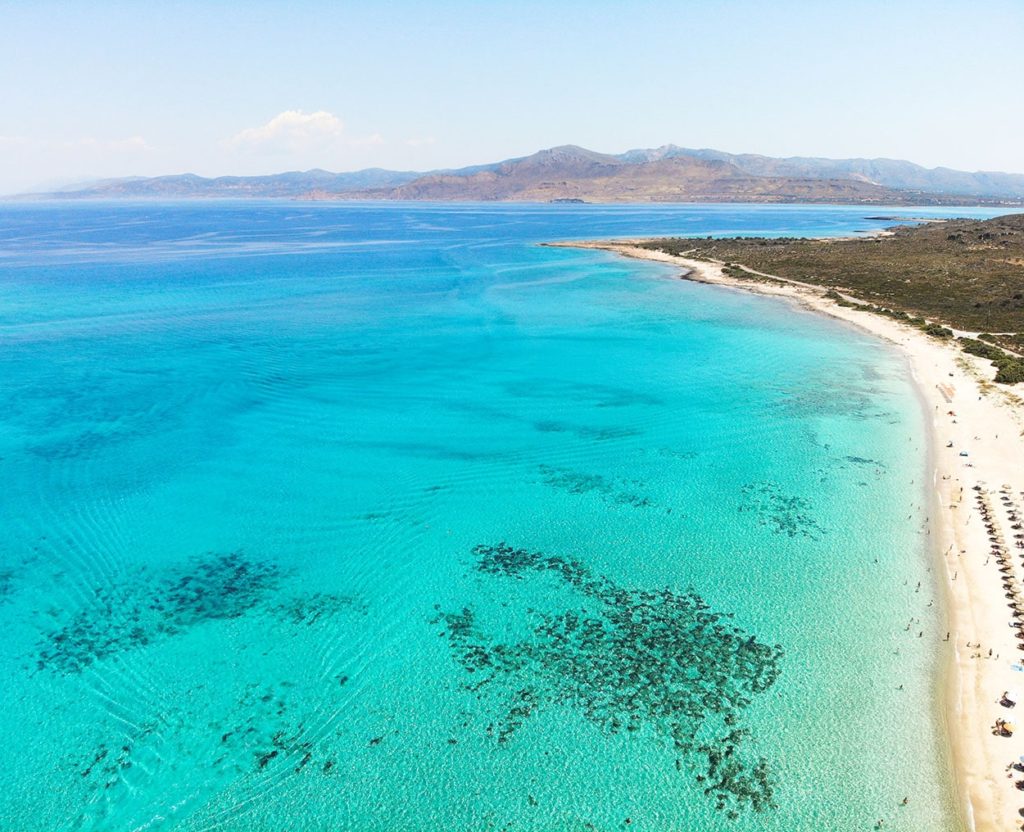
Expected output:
(571, 173)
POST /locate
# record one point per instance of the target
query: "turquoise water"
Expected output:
(382, 517)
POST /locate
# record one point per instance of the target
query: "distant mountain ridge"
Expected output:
(570, 172)
(891, 173)
(664, 174)
(290, 184)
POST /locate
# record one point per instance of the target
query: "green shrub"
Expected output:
(1009, 370)
(839, 300)
(981, 349)
(937, 331)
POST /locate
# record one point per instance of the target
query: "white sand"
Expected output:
(989, 425)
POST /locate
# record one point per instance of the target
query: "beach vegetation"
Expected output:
(936, 330)
(964, 274)
(975, 346)
(1009, 368)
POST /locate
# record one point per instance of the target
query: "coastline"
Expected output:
(963, 407)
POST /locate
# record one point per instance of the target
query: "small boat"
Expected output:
(963, 453)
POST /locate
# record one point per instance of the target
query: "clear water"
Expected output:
(249, 450)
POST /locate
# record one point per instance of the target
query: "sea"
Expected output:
(383, 516)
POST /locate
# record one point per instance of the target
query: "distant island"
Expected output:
(571, 174)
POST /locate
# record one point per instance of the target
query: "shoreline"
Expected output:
(964, 407)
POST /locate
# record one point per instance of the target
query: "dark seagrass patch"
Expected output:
(649, 662)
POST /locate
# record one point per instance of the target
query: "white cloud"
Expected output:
(372, 140)
(291, 131)
(420, 141)
(131, 144)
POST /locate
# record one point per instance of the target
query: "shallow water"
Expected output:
(383, 517)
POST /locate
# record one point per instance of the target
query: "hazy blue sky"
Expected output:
(102, 89)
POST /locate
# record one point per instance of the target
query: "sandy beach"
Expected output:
(977, 508)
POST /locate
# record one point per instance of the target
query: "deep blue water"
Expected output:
(359, 516)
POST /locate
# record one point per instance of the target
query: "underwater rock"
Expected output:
(657, 662)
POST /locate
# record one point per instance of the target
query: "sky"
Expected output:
(101, 89)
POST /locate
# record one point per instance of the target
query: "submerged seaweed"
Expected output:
(849, 401)
(585, 431)
(576, 482)
(259, 736)
(633, 660)
(7, 577)
(309, 609)
(860, 460)
(784, 514)
(153, 607)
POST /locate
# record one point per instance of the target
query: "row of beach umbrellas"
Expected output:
(998, 549)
